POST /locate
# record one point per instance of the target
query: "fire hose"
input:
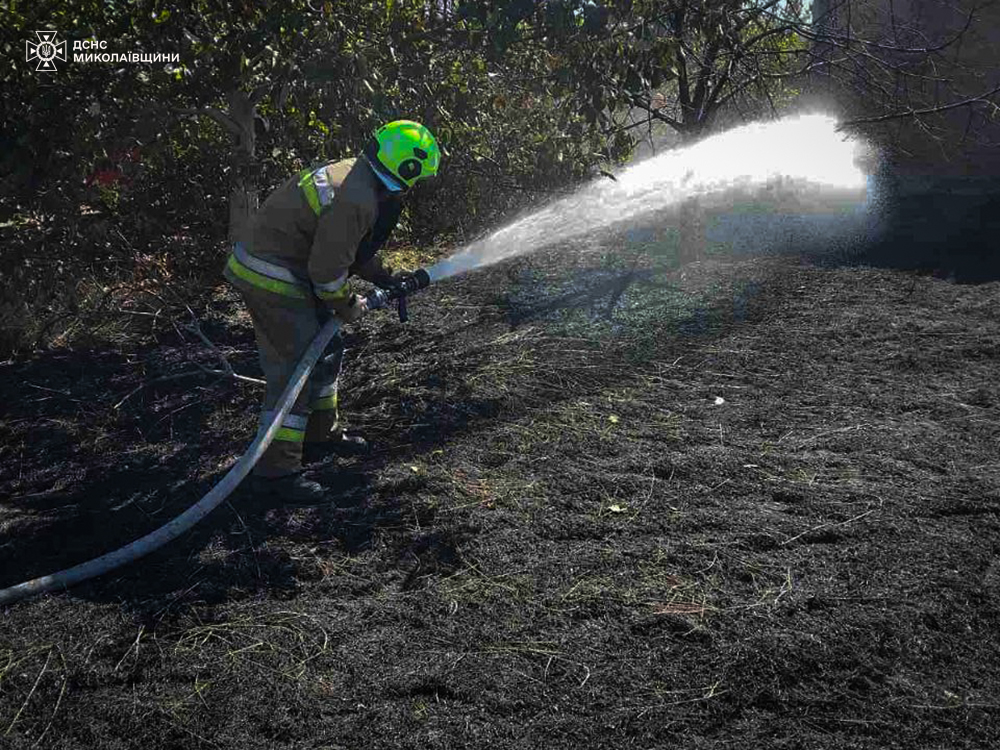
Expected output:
(377, 299)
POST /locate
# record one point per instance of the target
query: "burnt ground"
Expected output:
(744, 504)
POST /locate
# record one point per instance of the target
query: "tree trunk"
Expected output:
(243, 198)
(691, 216)
(692, 231)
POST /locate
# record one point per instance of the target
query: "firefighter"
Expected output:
(313, 234)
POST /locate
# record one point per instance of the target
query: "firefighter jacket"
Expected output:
(320, 227)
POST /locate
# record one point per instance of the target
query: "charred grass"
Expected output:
(739, 504)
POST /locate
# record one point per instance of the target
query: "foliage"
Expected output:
(526, 98)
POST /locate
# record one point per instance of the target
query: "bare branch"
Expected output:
(654, 112)
(216, 114)
(181, 375)
(259, 93)
(195, 328)
(845, 40)
(981, 99)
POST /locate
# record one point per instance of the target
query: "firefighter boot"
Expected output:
(325, 437)
(293, 489)
(340, 443)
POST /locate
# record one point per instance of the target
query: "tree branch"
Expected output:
(216, 114)
(654, 112)
(981, 99)
(840, 40)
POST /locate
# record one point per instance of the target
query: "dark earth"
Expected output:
(744, 503)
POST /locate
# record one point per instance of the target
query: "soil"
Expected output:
(745, 503)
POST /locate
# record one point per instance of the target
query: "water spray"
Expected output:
(806, 150)
(804, 157)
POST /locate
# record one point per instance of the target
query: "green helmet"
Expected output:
(406, 150)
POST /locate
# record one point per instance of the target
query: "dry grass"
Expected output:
(770, 523)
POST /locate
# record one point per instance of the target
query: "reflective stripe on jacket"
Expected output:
(320, 227)
(242, 268)
(317, 186)
(314, 223)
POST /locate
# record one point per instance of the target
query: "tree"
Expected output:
(622, 65)
(920, 78)
(527, 97)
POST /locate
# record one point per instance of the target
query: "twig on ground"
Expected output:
(17, 716)
(832, 525)
(234, 376)
(65, 394)
(189, 373)
(62, 692)
(195, 328)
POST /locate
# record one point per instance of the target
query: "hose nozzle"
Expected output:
(406, 285)
(415, 281)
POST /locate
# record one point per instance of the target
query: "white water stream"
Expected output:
(803, 154)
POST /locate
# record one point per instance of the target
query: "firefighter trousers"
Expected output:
(283, 334)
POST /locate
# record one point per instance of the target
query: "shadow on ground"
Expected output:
(939, 226)
(766, 523)
(98, 477)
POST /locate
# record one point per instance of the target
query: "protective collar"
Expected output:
(391, 183)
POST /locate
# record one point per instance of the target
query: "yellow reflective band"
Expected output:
(309, 188)
(332, 286)
(289, 435)
(324, 404)
(283, 288)
(343, 293)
